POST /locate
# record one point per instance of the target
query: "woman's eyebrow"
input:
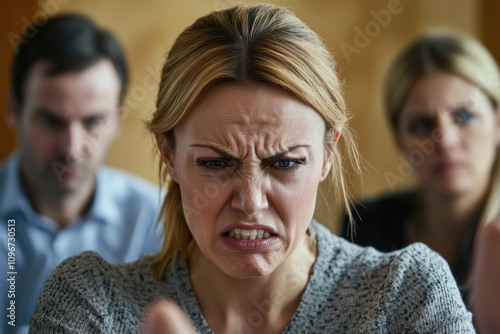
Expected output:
(282, 154)
(228, 156)
(220, 152)
(461, 106)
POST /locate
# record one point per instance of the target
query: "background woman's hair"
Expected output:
(262, 44)
(453, 53)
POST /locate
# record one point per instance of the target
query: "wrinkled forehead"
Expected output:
(238, 116)
(443, 91)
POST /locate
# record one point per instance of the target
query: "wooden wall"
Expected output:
(15, 17)
(489, 25)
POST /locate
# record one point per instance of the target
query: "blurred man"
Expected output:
(56, 200)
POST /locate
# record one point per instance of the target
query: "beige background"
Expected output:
(148, 28)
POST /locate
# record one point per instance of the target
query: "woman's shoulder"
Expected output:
(420, 280)
(89, 271)
(91, 264)
(412, 275)
(85, 293)
(408, 290)
(417, 259)
(421, 263)
(365, 290)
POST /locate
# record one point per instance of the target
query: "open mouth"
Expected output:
(243, 234)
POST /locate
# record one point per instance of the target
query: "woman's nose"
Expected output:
(250, 197)
(448, 135)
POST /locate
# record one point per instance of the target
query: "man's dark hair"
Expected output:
(69, 42)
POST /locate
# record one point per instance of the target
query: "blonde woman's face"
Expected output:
(449, 132)
(248, 160)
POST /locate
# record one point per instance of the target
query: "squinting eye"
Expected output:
(421, 126)
(214, 163)
(211, 164)
(463, 116)
(287, 164)
(284, 163)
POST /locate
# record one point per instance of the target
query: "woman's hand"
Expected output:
(165, 317)
(485, 294)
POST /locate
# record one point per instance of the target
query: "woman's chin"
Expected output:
(247, 269)
(450, 189)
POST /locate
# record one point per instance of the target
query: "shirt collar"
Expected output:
(105, 206)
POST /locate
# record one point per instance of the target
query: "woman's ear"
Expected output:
(329, 153)
(167, 155)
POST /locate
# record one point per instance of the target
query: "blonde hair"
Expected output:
(457, 54)
(262, 44)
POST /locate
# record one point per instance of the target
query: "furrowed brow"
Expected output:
(220, 152)
(282, 154)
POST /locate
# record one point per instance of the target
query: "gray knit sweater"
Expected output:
(352, 290)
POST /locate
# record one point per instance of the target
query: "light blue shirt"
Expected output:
(121, 226)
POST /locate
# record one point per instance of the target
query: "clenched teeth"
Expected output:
(242, 234)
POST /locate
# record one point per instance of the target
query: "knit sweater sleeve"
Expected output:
(80, 297)
(422, 295)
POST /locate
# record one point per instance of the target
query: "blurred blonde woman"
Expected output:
(249, 116)
(442, 95)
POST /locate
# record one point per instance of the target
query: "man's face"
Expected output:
(66, 125)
